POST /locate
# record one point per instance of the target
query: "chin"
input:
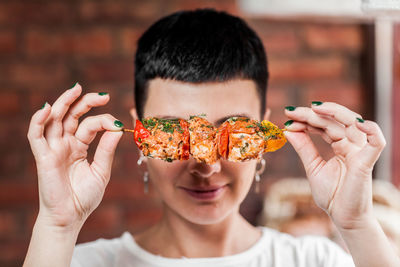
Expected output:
(207, 214)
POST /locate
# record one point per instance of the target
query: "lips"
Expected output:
(205, 193)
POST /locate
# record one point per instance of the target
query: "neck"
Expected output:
(176, 237)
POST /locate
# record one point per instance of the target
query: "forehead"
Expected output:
(175, 99)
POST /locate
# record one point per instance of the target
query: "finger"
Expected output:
(306, 150)
(356, 136)
(376, 142)
(89, 127)
(340, 113)
(82, 106)
(59, 109)
(104, 155)
(304, 127)
(333, 129)
(35, 135)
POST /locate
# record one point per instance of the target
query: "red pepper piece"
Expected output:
(223, 140)
(140, 132)
(185, 138)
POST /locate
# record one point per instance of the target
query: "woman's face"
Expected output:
(197, 192)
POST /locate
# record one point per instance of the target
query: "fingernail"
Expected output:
(43, 105)
(290, 108)
(360, 120)
(118, 124)
(74, 85)
(316, 103)
(103, 93)
(288, 123)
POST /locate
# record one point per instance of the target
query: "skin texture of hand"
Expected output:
(70, 187)
(341, 185)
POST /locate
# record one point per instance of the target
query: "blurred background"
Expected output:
(330, 51)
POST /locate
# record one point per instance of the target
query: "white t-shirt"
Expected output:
(273, 249)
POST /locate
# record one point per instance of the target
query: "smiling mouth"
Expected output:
(206, 193)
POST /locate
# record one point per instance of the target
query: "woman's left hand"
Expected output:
(342, 186)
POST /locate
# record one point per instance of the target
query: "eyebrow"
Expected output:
(218, 122)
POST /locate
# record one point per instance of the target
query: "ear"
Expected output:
(134, 115)
(267, 114)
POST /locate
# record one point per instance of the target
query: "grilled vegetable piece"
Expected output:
(166, 139)
(273, 136)
(203, 145)
(140, 133)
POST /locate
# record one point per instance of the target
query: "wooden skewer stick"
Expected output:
(123, 130)
(132, 131)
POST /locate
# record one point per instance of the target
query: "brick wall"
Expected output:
(46, 46)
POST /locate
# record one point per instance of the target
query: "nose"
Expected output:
(203, 170)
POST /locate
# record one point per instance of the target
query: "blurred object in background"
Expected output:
(353, 9)
(289, 207)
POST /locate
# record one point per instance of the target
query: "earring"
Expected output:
(141, 158)
(145, 174)
(257, 176)
(146, 182)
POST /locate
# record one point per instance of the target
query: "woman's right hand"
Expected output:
(70, 187)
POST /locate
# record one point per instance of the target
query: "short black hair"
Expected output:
(197, 46)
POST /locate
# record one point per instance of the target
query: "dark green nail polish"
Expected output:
(43, 105)
(74, 85)
(103, 93)
(360, 120)
(290, 108)
(288, 123)
(317, 103)
(118, 124)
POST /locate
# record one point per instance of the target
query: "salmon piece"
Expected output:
(168, 139)
(203, 145)
(241, 139)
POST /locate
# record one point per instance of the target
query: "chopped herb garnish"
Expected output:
(194, 116)
(140, 139)
(170, 138)
(244, 148)
(149, 123)
(168, 159)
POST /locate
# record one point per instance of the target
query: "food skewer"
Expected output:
(132, 131)
(238, 139)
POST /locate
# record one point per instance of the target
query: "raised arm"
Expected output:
(70, 187)
(342, 186)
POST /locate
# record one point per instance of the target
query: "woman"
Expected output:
(190, 63)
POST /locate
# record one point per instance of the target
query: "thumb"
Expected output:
(306, 150)
(104, 155)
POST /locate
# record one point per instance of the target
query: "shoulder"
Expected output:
(101, 252)
(306, 250)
